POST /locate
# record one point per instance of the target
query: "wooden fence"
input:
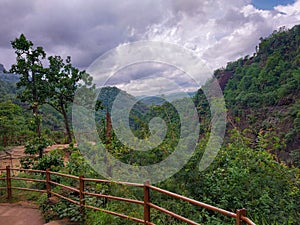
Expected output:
(240, 215)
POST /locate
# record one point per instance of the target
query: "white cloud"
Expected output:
(223, 30)
(154, 79)
(290, 10)
(218, 31)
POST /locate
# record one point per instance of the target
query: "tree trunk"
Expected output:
(37, 120)
(35, 105)
(108, 135)
(41, 153)
(35, 110)
(108, 138)
(67, 126)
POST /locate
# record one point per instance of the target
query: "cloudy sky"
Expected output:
(217, 31)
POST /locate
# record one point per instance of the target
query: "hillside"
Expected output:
(8, 77)
(107, 97)
(12, 109)
(262, 94)
(159, 100)
(255, 168)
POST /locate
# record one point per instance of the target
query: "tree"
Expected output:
(63, 80)
(29, 66)
(12, 120)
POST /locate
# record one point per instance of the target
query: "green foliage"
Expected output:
(295, 154)
(29, 66)
(271, 73)
(78, 166)
(63, 80)
(27, 162)
(46, 208)
(264, 89)
(37, 145)
(242, 177)
(54, 85)
(262, 96)
(12, 120)
(53, 161)
(100, 218)
(7, 90)
(68, 210)
(60, 210)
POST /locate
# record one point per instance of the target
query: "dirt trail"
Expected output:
(25, 213)
(11, 157)
(22, 213)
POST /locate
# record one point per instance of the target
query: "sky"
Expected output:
(217, 31)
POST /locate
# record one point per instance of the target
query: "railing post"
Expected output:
(8, 182)
(81, 195)
(48, 185)
(239, 214)
(146, 202)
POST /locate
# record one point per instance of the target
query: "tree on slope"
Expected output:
(63, 80)
(29, 66)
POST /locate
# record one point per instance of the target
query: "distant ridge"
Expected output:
(159, 100)
(8, 77)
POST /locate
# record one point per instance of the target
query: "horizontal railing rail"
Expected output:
(240, 215)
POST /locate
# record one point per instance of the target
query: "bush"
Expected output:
(53, 161)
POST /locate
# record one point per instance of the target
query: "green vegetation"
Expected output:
(63, 80)
(54, 85)
(263, 91)
(11, 119)
(256, 168)
(29, 65)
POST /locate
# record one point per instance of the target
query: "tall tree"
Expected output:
(63, 80)
(29, 66)
(12, 120)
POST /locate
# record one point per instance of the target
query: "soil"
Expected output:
(25, 213)
(11, 156)
(22, 213)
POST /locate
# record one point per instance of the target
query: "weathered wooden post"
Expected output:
(146, 202)
(48, 185)
(81, 195)
(239, 214)
(8, 182)
(4, 141)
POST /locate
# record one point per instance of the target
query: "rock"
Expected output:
(53, 200)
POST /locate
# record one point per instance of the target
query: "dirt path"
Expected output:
(22, 213)
(11, 157)
(25, 213)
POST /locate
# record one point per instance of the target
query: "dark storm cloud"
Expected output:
(12, 12)
(217, 31)
(82, 29)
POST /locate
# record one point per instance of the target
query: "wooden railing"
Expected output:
(240, 215)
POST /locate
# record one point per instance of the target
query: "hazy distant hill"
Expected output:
(108, 95)
(7, 84)
(9, 77)
(159, 100)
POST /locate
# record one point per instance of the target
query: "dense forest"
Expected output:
(256, 168)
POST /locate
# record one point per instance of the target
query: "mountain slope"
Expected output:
(262, 94)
